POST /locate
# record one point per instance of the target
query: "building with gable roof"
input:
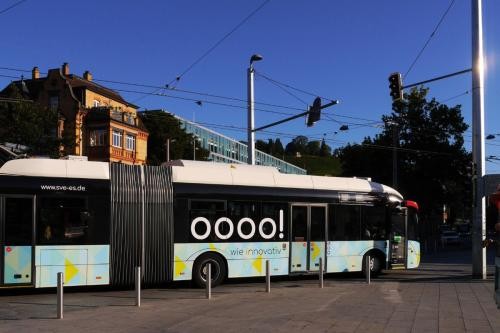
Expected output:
(105, 127)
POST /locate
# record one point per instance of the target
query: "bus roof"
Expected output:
(201, 172)
(45, 167)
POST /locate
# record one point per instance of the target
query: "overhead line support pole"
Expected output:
(479, 208)
(437, 78)
(292, 117)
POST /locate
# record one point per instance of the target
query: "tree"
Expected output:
(297, 145)
(313, 148)
(27, 123)
(278, 149)
(325, 150)
(262, 146)
(433, 166)
(163, 126)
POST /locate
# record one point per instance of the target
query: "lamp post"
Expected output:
(167, 147)
(195, 138)
(251, 118)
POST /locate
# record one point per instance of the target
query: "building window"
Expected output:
(98, 138)
(54, 103)
(117, 138)
(130, 142)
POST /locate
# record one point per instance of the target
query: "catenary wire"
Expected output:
(11, 6)
(429, 39)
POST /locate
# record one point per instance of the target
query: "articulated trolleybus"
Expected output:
(96, 222)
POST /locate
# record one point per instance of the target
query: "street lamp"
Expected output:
(167, 147)
(251, 118)
(195, 138)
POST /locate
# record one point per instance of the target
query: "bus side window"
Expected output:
(212, 210)
(237, 210)
(346, 221)
(63, 221)
(272, 210)
(181, 221)
(373, 223)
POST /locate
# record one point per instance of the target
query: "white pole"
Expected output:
(321, 272)
(479, 209)
(138, 286)
(251, 117)
(60, 295)
(368, 270)
(208, 282)
(268, 277)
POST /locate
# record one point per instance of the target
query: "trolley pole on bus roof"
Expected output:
(479, 208)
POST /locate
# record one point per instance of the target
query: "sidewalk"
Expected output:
(444, 299)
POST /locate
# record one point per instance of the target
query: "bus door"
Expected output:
(308, 237)
(398, 240)
(16, 236)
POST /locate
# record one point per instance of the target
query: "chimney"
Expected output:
(65, 69)
(35, 73)
(87, 76)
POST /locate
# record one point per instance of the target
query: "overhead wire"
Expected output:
(206, 53)
(11, 6)
(429, 39)
(156, 93)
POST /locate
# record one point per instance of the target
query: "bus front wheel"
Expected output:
(200, 269)
(375, 264)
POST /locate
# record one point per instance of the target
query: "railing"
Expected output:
(118, 152)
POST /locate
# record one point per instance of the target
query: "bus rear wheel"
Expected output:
(375, 264)
(200, 270)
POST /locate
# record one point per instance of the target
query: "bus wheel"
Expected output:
(375, 264)
(200, 269)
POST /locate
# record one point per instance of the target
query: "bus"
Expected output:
(96, 222)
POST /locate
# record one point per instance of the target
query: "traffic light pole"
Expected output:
(292, 117)
(437, 78)
(479, 208)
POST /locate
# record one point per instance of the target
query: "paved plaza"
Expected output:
(438, 297)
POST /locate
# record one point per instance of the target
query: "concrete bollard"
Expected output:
(60, 295)
(321, 272)
(138, 286)
(268, 277)
(208, 283)
(368, 269)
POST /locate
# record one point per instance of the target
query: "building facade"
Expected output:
(227, 150)
(98, 121)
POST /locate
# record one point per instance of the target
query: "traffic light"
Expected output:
(314, 112)
(396, 87)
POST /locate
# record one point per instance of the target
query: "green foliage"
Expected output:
(433, 166)
(317, 165)
(162, 126)
(28, 124)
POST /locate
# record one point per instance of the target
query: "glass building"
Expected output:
(227, 150)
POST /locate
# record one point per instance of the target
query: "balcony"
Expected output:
(122, 154)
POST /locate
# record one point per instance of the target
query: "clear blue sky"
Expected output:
(340, 49)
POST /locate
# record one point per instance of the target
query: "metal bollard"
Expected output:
(208, 283)
(138, 286)
(368, 269)
(60, 300)
(268, 277)
(321, 272)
